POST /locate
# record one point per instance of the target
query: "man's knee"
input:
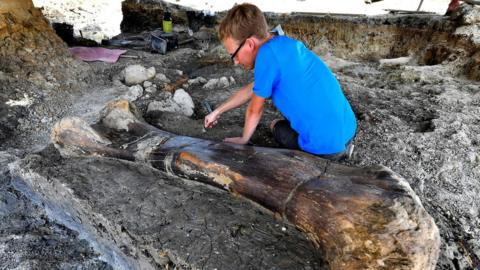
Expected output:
(284, 134)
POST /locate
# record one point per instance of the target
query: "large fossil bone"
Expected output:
(361, 218)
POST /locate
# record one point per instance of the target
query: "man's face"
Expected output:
(241, 52)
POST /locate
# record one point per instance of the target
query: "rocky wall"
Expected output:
(35, 69)
(26, 39)
(148, 15)
(17, 5)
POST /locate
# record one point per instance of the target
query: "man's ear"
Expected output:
(251, 43)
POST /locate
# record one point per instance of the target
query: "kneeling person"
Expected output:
(318, 117)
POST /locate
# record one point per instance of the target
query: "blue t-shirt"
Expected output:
(307, 93)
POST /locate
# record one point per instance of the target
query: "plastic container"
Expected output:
(167, 22)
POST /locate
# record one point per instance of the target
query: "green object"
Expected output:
(167, 22)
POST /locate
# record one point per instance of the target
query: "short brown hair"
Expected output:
(243, 21)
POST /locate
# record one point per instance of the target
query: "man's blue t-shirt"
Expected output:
(307, 93)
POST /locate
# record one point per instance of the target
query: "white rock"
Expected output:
(184, 101)
(472, 157)
(133, 93)
(164, 95)
(197, 80)
(223, 82)
(395, 61)
(231, 80)
(151, 89)
(219, 50)
(167, 105)
(137, 74)
(147, 84)
(151, 73)
(462, 138)
(26, 101)
(121, 75)
(179, 72)
(161, 77)
(179, 28)
(181, 103)
(211, 84)
(117, 83)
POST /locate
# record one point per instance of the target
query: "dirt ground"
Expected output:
(422, 121)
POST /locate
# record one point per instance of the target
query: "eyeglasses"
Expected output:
(237, 50)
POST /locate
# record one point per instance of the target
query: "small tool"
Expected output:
(207, 106)
(209, 110)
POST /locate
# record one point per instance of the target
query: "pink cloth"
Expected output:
(96, 54)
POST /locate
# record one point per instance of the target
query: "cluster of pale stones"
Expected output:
(140, 82)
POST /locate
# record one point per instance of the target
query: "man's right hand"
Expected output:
(211, 119)
(240, 97)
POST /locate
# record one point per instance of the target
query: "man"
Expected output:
(318, 117)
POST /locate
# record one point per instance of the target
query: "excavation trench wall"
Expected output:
(8, 5)
(26, 39)
(428, 39)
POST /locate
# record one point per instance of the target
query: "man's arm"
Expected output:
(241, 97)
(252, 118)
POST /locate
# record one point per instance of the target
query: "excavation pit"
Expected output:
(412, 81)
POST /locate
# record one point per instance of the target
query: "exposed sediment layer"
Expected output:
(429, 39)
(27, 41)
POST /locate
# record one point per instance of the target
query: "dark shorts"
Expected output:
(287, 137)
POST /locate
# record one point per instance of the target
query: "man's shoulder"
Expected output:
(280, 46)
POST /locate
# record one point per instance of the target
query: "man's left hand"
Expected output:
(236, 140)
